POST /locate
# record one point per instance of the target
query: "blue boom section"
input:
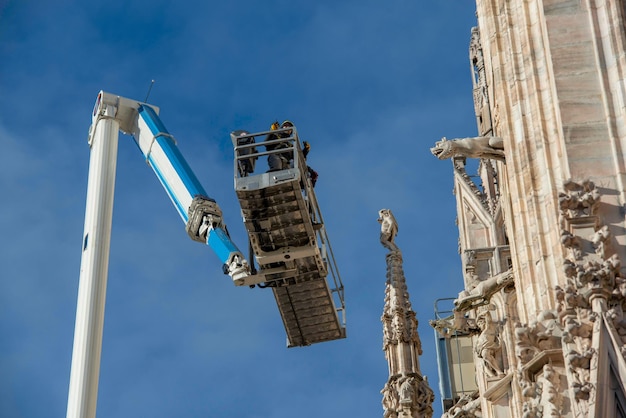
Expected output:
(220, 242)
(161, 152)
(203, 217)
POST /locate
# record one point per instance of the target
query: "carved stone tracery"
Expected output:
(537, 345)
(482, 107)
(595, 287)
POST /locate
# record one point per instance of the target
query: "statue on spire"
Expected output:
(388, 229)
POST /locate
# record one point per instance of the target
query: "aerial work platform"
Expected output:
(287, 236)
(280, 212)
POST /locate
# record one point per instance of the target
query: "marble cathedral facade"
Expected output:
(542, 233)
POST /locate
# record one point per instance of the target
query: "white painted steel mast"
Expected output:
(103, 140)
(201, 214)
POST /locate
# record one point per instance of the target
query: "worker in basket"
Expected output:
(245, 166)
(278, 161)
(312, 174)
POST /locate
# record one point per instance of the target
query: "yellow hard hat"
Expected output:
(274, 126)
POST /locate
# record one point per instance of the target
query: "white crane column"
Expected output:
(83, 389)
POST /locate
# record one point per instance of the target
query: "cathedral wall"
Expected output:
(545, 296)
(578, 88)
(525, 116)
(557, 90)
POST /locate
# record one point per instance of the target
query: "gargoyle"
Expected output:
(476, 147)
(457, 322)
(482, 292)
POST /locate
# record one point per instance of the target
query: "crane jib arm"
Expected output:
(201, 214)
(159, 148)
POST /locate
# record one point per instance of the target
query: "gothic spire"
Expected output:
(406, 393)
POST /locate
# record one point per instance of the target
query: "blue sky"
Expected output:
(371, 85)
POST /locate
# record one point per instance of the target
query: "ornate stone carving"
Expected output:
(468, 406)
(542, 393)
(400, 327)
(551, 398)
(482, 292)
(578, 199)
(537, 337)
(496, 118)
(388, 229)
(407, 396)
(616, 313)
(594, 288)
(531, 393)
(413, 337)
(407, 392)
(390, 399)
(479, 81)
(424, 398)
(591, 266)
(459, 168)
(491, 185)
(488, 194)
(579, 364)
(536, 346)
(488, 345)
(590, 279)
(601, 240)
(458, 322)
(478, 294)
(577, 320)
(525, 350)
(476, 147)
(469, 263)
(596, 275)
(388, 334)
